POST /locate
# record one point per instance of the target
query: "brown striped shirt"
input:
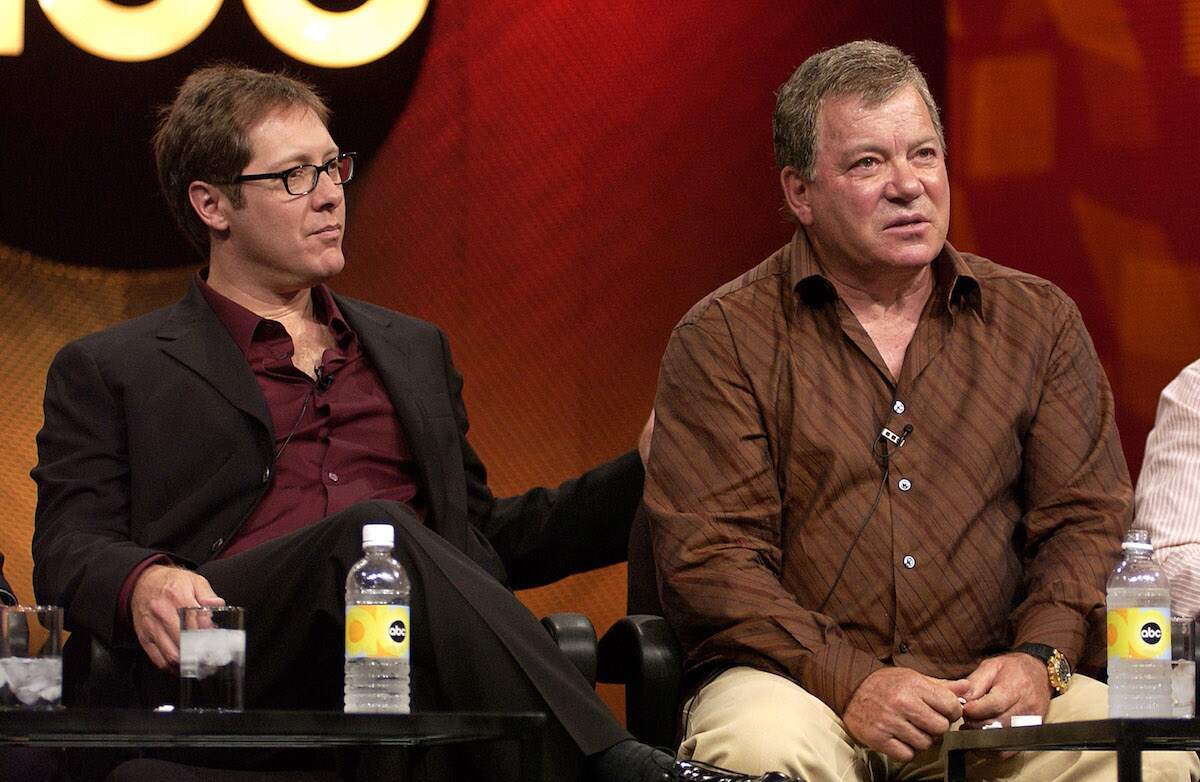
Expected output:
(996, 524)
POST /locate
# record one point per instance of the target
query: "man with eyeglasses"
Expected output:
(230, 447)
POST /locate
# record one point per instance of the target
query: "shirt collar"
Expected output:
(245, 326)
(952, 274)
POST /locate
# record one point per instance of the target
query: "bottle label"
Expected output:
(377, 631)
(1139, 633)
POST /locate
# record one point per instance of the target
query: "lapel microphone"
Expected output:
(325, 380)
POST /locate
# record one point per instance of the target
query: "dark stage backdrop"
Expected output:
(555, 183)
(1072, 134)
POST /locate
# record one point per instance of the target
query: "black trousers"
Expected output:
(474, 645)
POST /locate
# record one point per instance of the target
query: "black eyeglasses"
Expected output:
(302, 180)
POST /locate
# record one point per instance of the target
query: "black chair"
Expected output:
(642, 652)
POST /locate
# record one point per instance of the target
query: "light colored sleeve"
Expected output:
(1167, 501)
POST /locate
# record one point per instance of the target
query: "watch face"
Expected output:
(1060, 672)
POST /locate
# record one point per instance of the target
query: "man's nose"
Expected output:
(904, 184)
(327, 193)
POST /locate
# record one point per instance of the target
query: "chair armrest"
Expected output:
(576, 638)
(641, 652)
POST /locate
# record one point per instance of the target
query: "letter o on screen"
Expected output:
(336, 39)
(130, 33)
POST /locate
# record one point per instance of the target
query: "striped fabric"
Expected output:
(1168, 490)
(997, 524)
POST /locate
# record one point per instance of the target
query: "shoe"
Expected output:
(693, 771)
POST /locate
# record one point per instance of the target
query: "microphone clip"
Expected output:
(324, 380)
(896, 439)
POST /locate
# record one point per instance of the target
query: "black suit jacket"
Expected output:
(157, 439)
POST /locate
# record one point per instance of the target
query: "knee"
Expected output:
(766, 737)
(379, 512)
(346, 526)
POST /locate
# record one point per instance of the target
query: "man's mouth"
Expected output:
(903, 222)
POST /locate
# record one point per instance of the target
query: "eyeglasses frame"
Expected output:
(326, 167)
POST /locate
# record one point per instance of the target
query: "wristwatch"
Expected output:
(1057, 668)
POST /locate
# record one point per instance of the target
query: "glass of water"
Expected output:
(31, 657)
(1183, 667)
(212, 657)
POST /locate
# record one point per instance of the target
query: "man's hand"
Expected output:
(1013, 683)
(158, 594)
(644, 439)
(900, 712)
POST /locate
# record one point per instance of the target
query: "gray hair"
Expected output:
(871, 70)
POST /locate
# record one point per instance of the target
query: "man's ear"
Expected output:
(211, 204)
(796, 193)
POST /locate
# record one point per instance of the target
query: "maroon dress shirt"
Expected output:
(337, 438)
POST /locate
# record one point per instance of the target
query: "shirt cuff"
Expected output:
(834, 673)
(124, 617)
(1061, 628)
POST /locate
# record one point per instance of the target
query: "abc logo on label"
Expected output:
(1139, 634)
(377, 631)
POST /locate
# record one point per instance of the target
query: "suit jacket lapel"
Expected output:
(196, 338)
(392, 356)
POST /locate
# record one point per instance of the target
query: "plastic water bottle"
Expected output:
(1139, 633)
(377, 628)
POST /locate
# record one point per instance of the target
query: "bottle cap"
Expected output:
(378, 535)
(1137, 540)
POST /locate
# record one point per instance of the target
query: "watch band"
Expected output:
(1058, 670)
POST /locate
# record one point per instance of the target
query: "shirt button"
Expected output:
(333, 476)
(905, 484)
(266, 475)
(903, 648)
(898, 407)
(909, 561)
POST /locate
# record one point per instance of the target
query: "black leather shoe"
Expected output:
(691, 771)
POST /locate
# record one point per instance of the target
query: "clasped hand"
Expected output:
(158, 594)
(900, 712)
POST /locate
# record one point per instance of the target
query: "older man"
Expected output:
(886, 486)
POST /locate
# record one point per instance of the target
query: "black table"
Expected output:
(143, 729)
(1128, 737)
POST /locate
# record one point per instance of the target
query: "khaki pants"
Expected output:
(754, 722)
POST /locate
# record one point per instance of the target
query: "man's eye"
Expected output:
(867, 162)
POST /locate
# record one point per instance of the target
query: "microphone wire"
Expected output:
(884, 457)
